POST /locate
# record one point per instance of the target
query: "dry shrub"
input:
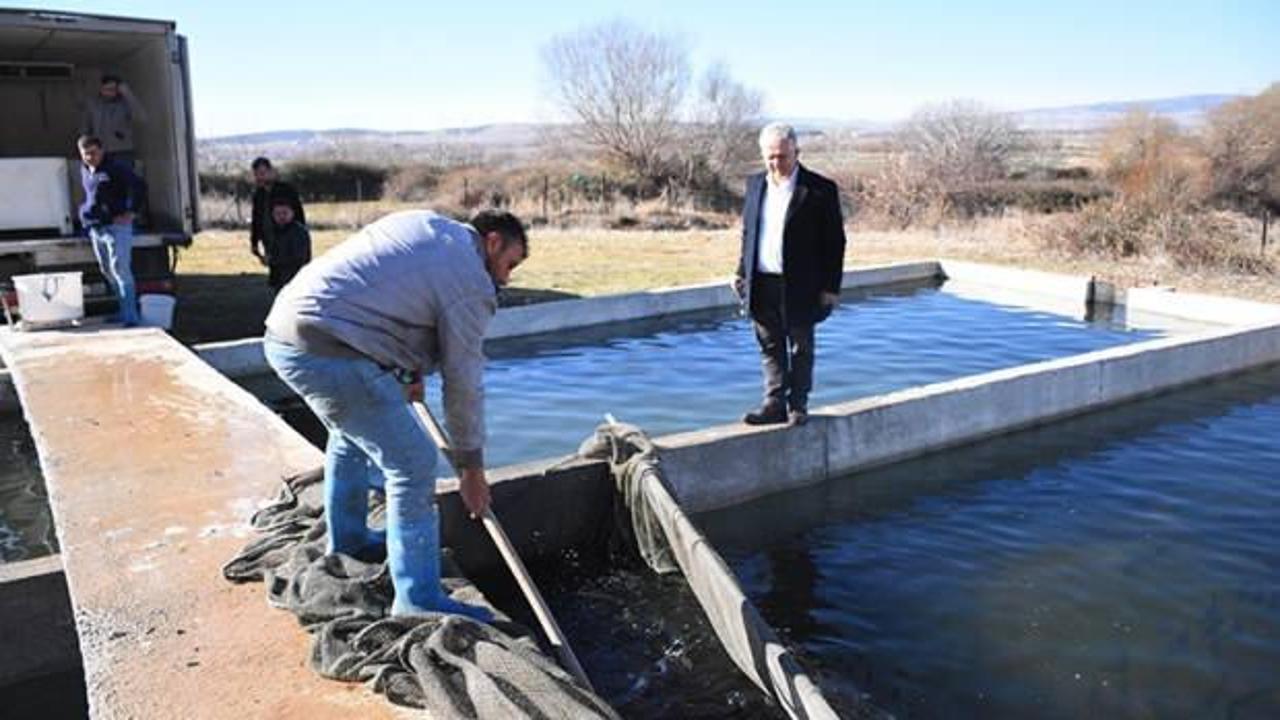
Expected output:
(1112, 229)
(1148, 160)
(412, 183)
(898, 195)
(1036, 196)
(939, 151)
(1218, 240)
(1161, 182)
(1191, 238)
(960, 142)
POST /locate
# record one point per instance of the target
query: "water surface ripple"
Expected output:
(546, 394)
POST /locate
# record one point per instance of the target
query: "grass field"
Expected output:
(223, 293)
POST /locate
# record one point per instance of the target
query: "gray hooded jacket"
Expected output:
(409, 291)
(112, 120)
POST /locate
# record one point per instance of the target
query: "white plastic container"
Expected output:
(157, 310)
(50, 297)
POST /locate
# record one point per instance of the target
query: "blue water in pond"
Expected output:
(545, 395)
(26, 526)
(1122, 565)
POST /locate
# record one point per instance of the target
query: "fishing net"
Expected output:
(449, 664)
(460, 668)
(669, 542)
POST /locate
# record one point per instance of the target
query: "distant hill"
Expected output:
(524, 139)
(1187, 111)
(500, 133)
(449, 144)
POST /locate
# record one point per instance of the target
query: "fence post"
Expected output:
(239, 217)
(359, 203)
(546, 189)
(466, 191)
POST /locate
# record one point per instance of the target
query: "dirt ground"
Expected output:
(223, 292)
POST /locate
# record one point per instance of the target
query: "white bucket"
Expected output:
(157, 310)
(50, 297)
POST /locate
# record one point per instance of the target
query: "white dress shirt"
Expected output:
(773, 219)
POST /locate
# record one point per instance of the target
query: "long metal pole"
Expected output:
(508, 551)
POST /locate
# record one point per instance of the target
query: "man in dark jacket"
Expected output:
(789, 272)
(112, 193)
(268, 189)
(289, 245)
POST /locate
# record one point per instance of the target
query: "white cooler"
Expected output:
(35, 194)
(50, 298)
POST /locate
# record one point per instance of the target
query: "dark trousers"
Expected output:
(279, 274)
(786, 350)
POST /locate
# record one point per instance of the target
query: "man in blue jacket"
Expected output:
(111, 194)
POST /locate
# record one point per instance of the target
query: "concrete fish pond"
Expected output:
(115, 415)
(1121, 564)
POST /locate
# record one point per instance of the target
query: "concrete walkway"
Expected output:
(153, 463)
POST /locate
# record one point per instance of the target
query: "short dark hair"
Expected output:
(87, 141)
(258, 162)
(503, 223)
(282, 200)
(109, 78)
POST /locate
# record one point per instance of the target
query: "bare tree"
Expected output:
(1149, 160)
(625, 86)
(726, 120)
(1243, 144)
(959, 142)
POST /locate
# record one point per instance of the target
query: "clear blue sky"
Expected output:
(421, 64)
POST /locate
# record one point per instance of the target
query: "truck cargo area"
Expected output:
(50, 65)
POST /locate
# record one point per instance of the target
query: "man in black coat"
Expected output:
(268, 190)
(789, 272)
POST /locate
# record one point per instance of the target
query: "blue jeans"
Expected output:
(113, 246)
(374, 442)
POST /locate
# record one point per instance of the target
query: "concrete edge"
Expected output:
(1199, 307)
(24, 569)
(1074, 288)
(730, 464)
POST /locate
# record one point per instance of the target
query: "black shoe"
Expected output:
(799, 416)
(768, 414)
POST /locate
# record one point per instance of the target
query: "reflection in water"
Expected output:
(1123, 564)
(792, 600)
(26, 525)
